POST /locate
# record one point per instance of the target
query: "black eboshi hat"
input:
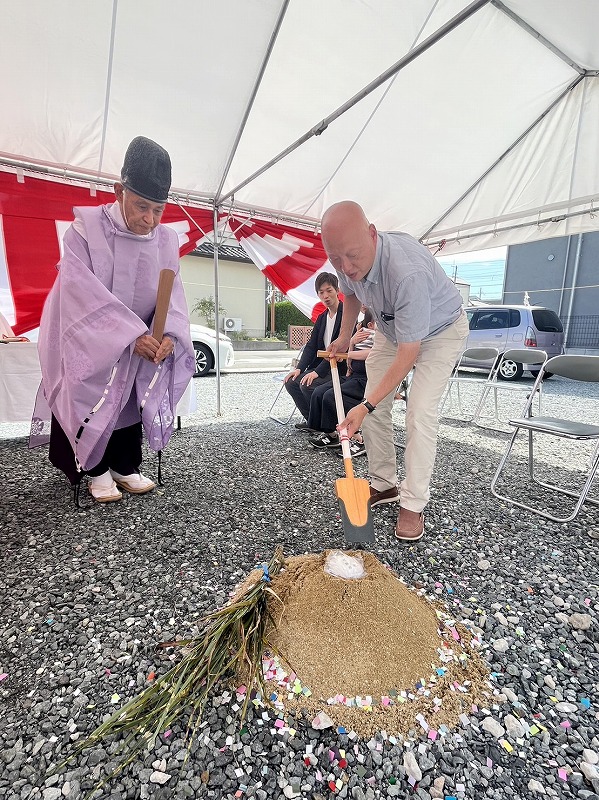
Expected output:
(147, 170)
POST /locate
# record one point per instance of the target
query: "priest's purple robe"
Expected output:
(103, 299)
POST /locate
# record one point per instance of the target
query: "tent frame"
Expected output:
(224, 202)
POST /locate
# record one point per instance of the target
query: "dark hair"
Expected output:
(367, 318)
(326, 277)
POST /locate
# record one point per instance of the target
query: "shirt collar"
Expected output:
(375, 270)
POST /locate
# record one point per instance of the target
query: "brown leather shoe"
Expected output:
(387, 496)
(409, 534)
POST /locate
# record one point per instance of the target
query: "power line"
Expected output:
(559, 289)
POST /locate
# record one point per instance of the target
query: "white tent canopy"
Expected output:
(485, 133)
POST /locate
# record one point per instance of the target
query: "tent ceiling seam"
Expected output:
(538, 36)
(371, 116)
(403, 62)
(506, 152)
(254, 92)
(108, 84)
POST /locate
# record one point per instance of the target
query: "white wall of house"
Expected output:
(242, 290)
(464, 290)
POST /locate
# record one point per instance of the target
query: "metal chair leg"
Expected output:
(276, 419)
(581, 497)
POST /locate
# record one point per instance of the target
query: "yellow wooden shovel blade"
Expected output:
(354, 504)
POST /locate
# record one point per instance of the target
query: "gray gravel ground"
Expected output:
(86, 596)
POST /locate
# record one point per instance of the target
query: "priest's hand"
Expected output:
(147, 347)
(166, 348)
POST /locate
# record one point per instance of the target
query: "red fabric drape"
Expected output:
(29, 212)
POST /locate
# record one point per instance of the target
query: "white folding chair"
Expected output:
(509, 364)
(280, 377)
(282, 390)
(479, 384)
(573, 367)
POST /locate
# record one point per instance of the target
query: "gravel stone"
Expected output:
(536, 786)
(87, 596)
(493, 727)
(590, 756)
(581, 622)
(159, 777)
(514, 727)
(566, 708)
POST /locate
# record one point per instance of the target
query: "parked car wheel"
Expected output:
(204, 360)
(535, 373)
(510, 371)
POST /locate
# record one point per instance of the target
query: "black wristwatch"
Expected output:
(368, 405)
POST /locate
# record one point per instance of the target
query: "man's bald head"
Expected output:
(349, 239)
(344, 213)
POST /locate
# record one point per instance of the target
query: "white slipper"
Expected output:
(136, 483)
(103, 489)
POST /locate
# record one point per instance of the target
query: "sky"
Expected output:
(483, 270)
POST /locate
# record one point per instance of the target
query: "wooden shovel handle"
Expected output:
(347, 462)
(326, 354)
(163, 299)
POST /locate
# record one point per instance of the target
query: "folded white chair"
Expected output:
(271, 413)
(510, 360)
(284, 420)
(576, 368)
(479, 384)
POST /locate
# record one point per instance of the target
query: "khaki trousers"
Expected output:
(433, 367)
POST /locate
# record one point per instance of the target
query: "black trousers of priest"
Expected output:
(123, 452)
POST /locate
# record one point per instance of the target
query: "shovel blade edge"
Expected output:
(354, 504)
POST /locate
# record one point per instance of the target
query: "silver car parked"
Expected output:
(510, 327)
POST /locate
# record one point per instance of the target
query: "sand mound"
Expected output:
(353, 637)
(341, 641)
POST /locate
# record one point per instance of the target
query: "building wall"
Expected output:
(561, 274)
(464, 290)
(536, 268)
(242, 290)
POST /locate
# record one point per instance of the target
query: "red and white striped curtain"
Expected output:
(36, 211)
(289, 257)
(34, 214)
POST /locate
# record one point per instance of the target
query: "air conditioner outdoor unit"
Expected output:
(232, 324)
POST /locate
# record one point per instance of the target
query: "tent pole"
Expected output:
(374, 111)
(514, 144)
(573, 289)
(216, 309)
(495, 231)
(255, 88)
(465, 14)
(561, 294)
(108, 83)
(106, 182)
(538, 36)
